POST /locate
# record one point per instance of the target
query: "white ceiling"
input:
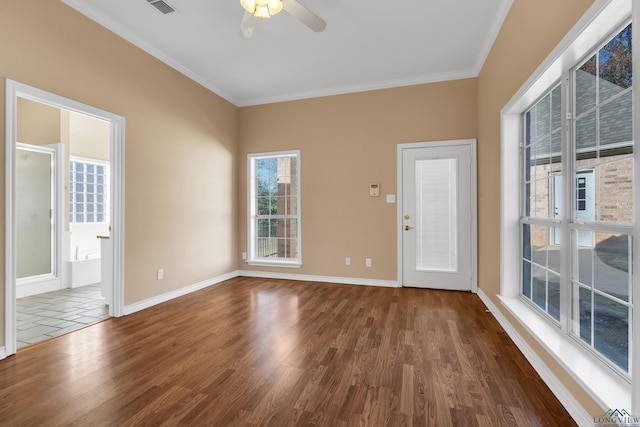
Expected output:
(367, 44)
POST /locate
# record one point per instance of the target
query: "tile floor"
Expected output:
(43, 316)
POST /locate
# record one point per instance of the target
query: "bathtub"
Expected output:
(84, 272)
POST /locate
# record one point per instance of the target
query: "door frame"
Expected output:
(471, 143)
(13, 90)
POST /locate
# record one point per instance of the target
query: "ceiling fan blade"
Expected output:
(248, 24)
(304, 15)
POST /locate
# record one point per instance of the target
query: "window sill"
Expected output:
(604, 386)
(285, 264)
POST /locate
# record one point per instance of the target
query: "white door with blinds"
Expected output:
(437, 209)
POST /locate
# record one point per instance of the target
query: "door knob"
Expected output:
(407, 228)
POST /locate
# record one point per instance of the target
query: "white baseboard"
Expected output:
(577, 412)
(150, 302)
(30, 288)
(324, 279)
(3, 353)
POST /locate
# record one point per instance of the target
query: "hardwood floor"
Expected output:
(252, 352)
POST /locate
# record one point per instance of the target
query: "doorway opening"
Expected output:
(64, 215)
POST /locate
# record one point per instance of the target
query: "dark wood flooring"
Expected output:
(256, 352)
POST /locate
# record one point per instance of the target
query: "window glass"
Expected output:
(274, 211)
(599, 223)
(87, 198)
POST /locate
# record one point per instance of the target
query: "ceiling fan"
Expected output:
(256, 10)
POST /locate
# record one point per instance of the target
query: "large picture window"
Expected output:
(577, 201)
(274, 208)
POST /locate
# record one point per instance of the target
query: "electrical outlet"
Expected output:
(160, 274)
(347, 261)
(244, 256)
(367, 262)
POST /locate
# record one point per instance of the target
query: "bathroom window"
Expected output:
(88, 191)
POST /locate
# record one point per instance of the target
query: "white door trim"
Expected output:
(474, 204)
(13, 90)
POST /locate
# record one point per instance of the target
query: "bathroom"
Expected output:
(62, 200)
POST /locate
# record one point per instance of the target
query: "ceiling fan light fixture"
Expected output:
(262, 8)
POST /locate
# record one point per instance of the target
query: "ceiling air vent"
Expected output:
(162, 6)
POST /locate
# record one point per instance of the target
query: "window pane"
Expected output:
(526, 242)
(436, 217)
(615, 65)
(267, 247)
(611, 267)
(264, 228)
(554, 295)
(539, 239)
(291, 228)
(585, 81)
(611, 330)
(615, 190)
(264, 206)
(584, 258)
(584, 305)
(542, 113)
(586, 135)
(616, 126)
(539, 286)
(556, 150)
(292, 205)
(585, 199)
(526, 279)
(553, 251)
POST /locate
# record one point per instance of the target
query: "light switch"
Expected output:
(391, 198)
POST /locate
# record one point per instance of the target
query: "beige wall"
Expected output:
(180, 203)
(186, 148)
(531, 31)
(88, 137)
(37, 124)
(347, 142)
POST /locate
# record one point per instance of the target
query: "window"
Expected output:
(596, 234)
(274, 209)
(567, 207)
(88, 191)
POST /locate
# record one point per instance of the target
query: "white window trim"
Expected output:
(602, 384)
(251, 258)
